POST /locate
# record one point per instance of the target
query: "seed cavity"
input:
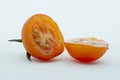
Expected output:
(44, 40)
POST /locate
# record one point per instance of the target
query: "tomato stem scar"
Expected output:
(15, 40)
(28, 56)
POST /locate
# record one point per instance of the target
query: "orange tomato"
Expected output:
(86, 49)
(42, 38)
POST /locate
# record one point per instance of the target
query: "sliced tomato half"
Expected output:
(42, 37)
(86, 49)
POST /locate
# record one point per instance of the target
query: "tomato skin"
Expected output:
(29, 42)
(84, 53)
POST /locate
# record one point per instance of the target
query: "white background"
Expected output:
(76, 18)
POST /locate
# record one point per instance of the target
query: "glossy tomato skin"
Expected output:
(47, 42)
(85, 53)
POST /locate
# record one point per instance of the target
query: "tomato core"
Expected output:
(41, 39)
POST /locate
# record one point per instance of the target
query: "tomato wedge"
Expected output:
(42, 37)
(86, 49)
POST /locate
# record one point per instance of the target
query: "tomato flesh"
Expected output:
(44, 40)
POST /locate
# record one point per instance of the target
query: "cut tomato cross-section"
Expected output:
(42, 37)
